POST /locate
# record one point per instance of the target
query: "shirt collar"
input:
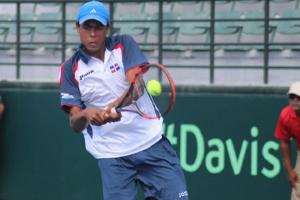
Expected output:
(83, 56)
(86, 58)
(107, 54)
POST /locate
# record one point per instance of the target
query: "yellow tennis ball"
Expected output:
(154, 88)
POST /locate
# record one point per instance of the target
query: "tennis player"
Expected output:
(287, 128)
(130, 150)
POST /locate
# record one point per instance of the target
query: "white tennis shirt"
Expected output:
(89, 82)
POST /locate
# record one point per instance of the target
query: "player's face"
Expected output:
(92, 35)
(294, 101)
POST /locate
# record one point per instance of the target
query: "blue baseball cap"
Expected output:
(93, 10)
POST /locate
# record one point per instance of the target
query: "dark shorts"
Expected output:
(156, 169)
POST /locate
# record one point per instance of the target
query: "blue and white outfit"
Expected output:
(131, 151)
(88, 82)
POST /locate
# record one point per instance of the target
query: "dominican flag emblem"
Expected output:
(114, 68)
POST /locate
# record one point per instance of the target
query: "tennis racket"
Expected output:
(138, 100)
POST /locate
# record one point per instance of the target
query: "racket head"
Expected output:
(138, 100)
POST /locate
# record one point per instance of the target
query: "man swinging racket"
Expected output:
(130, 150)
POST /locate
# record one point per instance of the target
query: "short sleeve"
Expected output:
(132, 55)
(69, 91)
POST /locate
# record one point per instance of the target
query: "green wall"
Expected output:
(224, 138)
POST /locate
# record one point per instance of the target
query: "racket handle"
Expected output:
(113, 110)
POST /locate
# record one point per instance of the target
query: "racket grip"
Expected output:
(114, 110)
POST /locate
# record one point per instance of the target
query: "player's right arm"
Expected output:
(79, 119)
(286, 157)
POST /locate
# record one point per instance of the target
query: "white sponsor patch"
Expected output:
(66, 96)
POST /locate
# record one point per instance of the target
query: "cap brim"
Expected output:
(89, 17)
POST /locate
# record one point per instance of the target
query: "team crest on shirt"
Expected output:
(114, 68)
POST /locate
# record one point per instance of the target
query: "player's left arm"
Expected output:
(133, 60)
(139, 85)
(79, 119)
(138, 89)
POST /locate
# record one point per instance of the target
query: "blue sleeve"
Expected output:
(132, 55)
(69, 91)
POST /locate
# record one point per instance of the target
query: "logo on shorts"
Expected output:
(183, 194)
(114, 68)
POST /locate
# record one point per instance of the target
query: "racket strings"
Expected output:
(154, 106)
(140, 101)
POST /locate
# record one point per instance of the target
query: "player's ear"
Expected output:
(109, 29)
(77, 26)
(108, 26)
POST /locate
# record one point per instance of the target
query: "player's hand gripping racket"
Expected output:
(138, 100)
